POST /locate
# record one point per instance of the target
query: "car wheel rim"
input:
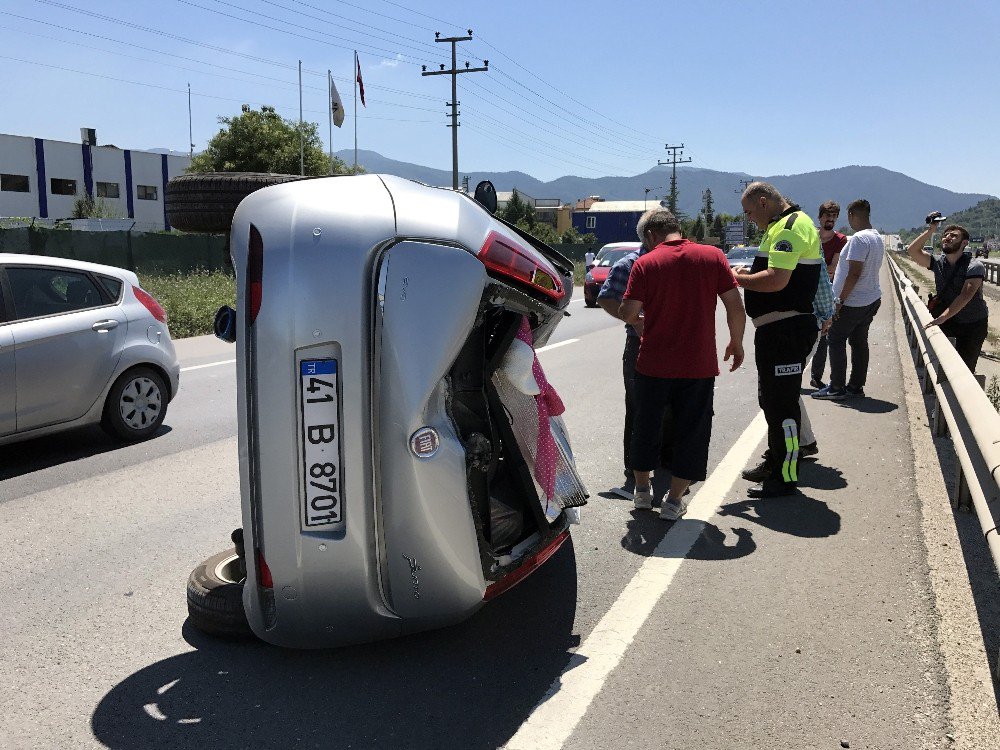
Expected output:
(140, 403)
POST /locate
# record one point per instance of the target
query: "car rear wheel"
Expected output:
(136, 405)
(215, 596)
(206, 202)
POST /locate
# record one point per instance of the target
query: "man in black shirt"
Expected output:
(960, 309)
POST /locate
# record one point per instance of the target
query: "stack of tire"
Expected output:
(206, 202)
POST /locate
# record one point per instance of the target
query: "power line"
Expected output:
(352, 46)
(555, 126)
(253, 58)
(296, 25)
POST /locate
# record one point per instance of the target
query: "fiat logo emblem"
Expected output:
(425, 442)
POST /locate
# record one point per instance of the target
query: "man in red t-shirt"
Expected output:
(674, 288)
(833, 242)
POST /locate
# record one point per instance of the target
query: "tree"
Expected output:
(85, 207)
(540, 230)
(718, 230)
(516, 210)
(709, 207)
(263, 141)
(698, 230)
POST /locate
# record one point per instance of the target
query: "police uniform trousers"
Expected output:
(781, 350)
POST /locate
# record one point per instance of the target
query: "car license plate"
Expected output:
(321, 477)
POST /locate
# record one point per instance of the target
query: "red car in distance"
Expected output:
(596, 276)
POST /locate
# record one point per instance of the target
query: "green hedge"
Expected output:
(191, 299)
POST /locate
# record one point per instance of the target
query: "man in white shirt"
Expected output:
(588, 259)
(857, 299)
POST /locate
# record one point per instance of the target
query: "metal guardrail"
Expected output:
(961, 409)
(992, 270)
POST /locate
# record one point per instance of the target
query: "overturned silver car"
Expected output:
(402, 458)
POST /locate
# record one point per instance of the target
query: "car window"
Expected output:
(49, 291)
(113, 285)
(613, 257)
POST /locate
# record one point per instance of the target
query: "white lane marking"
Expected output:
(210, 364)
(557, 714)
(559, 343)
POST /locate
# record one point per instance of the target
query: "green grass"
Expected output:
(191, 299)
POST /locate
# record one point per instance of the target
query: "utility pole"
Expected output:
(739, 191)
(454, 72)
(674, 161)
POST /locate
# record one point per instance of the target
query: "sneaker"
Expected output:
(830, 393)
(671, 510)
(817, 384)
(809, 449)
(758, 473)
(626, 491)
(852, 391)
(643, 499)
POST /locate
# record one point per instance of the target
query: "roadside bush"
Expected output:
(191, 299)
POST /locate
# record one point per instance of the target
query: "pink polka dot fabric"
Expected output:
(549, 405)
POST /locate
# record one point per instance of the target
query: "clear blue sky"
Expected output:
(583, 88)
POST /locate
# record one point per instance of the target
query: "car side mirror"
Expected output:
(486, 196)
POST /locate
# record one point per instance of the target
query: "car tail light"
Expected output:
(265, 572)
(150, 303)
(528, 567)
(507, 258)
(255, 275)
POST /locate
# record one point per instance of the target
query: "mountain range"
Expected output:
(897, 200)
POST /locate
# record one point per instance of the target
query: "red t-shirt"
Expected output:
(833, 246)
(678, 283)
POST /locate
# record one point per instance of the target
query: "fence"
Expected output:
(153, 253)
(961, 409)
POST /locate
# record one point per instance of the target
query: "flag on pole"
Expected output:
(336, 105)
(361, 84)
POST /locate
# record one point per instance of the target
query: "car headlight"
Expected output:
(589, 277)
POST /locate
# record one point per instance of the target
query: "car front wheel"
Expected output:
(136, 405)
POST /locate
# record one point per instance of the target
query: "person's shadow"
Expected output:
(798, 515)
(645, 530)
(820, 477)
(477, 681)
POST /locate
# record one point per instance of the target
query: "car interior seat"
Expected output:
(80, 294)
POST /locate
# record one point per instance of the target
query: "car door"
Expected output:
(8, 401)
(68, 337)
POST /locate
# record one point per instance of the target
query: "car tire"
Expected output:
(215, 598)
(588, 303)
(206, 202)
(142, 384)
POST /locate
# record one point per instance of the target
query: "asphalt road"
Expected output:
(794, 623)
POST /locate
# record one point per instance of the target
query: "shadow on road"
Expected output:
(62, 447)
(819, 477)
(868, 405)
(477, 681)
(645, 530)
(798, 515)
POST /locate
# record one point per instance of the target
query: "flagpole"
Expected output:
(356, 66)
(329, 106)
(356, 111)
(302, 143)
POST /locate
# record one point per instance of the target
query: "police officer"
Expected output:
(780, 287)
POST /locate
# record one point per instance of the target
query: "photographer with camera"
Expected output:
(957, 305)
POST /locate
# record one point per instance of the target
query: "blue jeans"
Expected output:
(851, 327)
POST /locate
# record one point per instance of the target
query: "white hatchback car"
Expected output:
(80, 344)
